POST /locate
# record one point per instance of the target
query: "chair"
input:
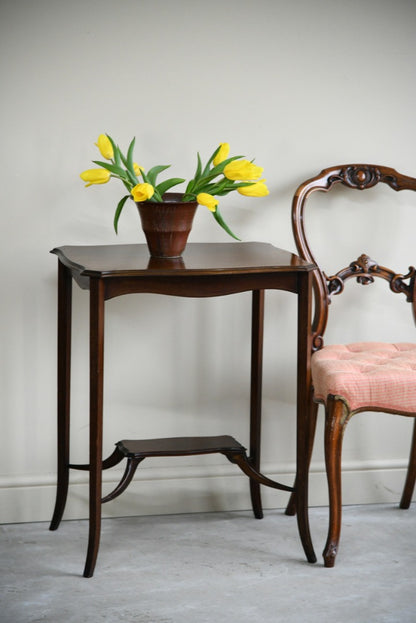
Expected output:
(364, 376)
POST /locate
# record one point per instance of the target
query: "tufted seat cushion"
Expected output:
(367, 374)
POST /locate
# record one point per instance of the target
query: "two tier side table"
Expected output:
(205, 270)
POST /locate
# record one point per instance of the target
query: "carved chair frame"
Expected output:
(364, 270)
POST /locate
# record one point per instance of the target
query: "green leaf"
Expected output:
(119, 208)
(220, 167)
(215, 171)
(157, 197)
(198, 168)
(207, 188)
(220, 188)
(222, 193)
(154, 172)
(113, 168)
(223, 224)
(189, 188)
(144, 177)
(130, 155)
(241, 184)
(210, 160)
(116, 151)
(130, 163)
(223, 189)
(132, 177)
(163, 187)
(192, 183)
(188, 197)
(123, 159)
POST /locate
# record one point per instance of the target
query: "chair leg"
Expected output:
(411, 474)
(313, 412)
(336, 418)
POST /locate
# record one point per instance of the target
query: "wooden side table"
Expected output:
(205, 270)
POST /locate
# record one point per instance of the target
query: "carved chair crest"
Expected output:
(363, 269)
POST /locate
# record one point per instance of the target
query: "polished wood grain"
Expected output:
(205, 270)
(364, 270)
(198, 258)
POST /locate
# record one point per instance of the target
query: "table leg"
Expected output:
(303, 420)
(64, 390)
(96, 420)
(257, 330)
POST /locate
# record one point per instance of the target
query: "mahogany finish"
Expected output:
(364, 270)
(205, 270)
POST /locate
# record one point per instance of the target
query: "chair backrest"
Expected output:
(364, 269)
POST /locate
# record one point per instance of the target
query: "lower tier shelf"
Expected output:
(136, 450)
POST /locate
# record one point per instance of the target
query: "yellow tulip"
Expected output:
(207, 200)
(259, 189)
(137, 169)
(222, 154)
(104, 145)
(95, 176)
(242, 170)
(142, 192)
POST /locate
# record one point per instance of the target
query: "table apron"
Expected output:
(200, 286)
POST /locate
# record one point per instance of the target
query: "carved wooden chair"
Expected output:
(365, 376)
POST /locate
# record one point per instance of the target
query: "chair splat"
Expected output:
(364, 270)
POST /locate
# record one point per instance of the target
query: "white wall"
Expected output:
(299, 85)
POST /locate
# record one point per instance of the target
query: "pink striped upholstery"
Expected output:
(367, 374)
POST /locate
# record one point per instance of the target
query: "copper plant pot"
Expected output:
(167, 225)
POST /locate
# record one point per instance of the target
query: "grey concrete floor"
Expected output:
(216, 567)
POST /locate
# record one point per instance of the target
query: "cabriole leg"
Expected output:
(411, 474)
(336, 417)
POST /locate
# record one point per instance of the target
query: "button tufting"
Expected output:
(367, 374)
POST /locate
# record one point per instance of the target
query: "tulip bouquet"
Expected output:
(221, 175)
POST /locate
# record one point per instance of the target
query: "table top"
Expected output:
(198, 259)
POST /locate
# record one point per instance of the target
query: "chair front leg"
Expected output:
(336, 418)
(411, 473)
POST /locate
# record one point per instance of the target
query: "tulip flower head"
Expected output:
(221, 175)
(207, 200)
(104, 145)
(137, 169)
(258, 189)
(222, 154)
(142, 192)
(95, 176)
(242, 170)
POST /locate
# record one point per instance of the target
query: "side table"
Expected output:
(205, 270)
